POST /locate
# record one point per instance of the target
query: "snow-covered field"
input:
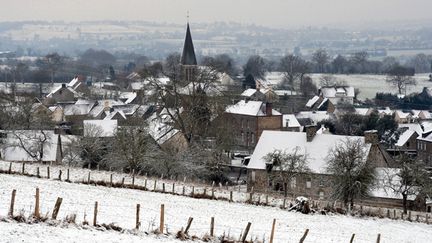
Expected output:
(369, 85)
(41, 233)
(118, 205)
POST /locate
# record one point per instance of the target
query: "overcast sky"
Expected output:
(277, 13)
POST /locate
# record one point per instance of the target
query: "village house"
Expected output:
(330, 97)
(424, 148)
(249, 119)
(318, 182)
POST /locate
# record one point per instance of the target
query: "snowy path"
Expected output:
(118, 205)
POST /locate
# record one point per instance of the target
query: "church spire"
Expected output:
(188, 56)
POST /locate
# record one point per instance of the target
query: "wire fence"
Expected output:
(109, 215)
(187, 187)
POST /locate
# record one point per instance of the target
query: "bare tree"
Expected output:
(294, 68)
(52, 63)
(321, 58)
(409, 179)
(401, 78)
(33, 142)
(352, 174)
(284, 166)
(132, 150)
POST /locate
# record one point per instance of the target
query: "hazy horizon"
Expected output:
(271, 13)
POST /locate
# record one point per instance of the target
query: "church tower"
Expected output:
(188, 59)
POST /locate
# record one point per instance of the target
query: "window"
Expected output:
(321, 182)
(321, 195)
(253, 176)
(242, 123)
(293, 182)
(252, 138)
(247, 124)
(308, 183)
(242, 137)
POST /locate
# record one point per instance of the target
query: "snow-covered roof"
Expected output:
(312, 101)
(248, 92)
(128, 96)
(322, 103)
(413, 127)
(73, 82)
(111, 115)
(315, 116)
(337, 91)
(57, 89)
(402, 115)
(404, 137)
(291, 120)
(281, 92)
(362, 111)
(100, 128)
(316, 150)
(74, 110)
(249, 108)
(160, 128)
(385, 111)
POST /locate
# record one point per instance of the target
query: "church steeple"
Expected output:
(188, 56)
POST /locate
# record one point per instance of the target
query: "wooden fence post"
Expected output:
(266, 199)
(304, 236)
(67, 175)
(154, 185)
(352, 238)
(36, 209)
(427, 218)
(284, 203)
(37, 172)
(123, 182)
(231, 196)
(95, 214)
(111, 180)
(183, 191)
(272, 231)
(57, 208)
(378, 238)
(212, 226)
(145, 184)
(12, 204)
(162, 218)
(409, 215)
(163, 187)
(173, 188)
(133, 178)
(48, 172)
(60, 175)
(188, 225)
(88, 178)
(246, 232)
(137, 221)
(23, 168)
(212, 195)
(10, 168)
(193, 191)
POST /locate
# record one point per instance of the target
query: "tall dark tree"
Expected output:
(256, 66)
(321, 58)
(249, 82)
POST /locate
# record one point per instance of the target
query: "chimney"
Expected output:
(269, 109)
(310, 132)
(63, 85)
(371, 136)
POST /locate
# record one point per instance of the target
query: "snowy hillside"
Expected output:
(118, 205)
